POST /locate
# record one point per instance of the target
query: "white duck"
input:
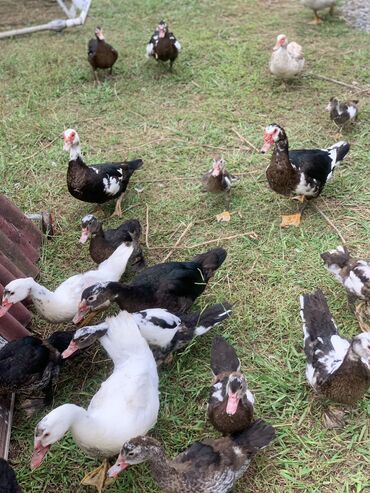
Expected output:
(62, 304)
(125, 406)
(316, 5)
(287, 60)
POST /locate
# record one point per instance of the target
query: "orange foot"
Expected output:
(300, 198)
(292, 220)
(316, 21)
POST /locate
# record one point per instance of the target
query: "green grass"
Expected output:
(176, 123)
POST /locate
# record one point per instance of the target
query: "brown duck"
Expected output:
(210, 466)
(163, 45)
(100, 54)
(301, 173)
(230, 404)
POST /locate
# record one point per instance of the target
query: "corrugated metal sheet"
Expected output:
(20, 242)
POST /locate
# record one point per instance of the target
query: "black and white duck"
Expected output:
(29, 365)
(8, 480)
(171, 285)
(209, 466)
(165, 332)
(301, 173)
(337, 368)
(163, 45)
(354, 275)
(104, 242)
(342, 113)
(100, 54)
(230, 404)
(98, 183)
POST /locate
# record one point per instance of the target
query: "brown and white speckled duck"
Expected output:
(230, 404)
(342, 113)
(337, 369)
(210, 466)
(100, 54)
(302, 173)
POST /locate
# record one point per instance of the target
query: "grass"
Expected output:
(176, 123)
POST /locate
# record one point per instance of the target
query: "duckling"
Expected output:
(342, 113)
(337, 369)
(209, 466)
(103, 243)
(354, 275)
(230, 404)
(316, 5)
(163, 45)
(287, 60)
(218, 180)
(8, 480)
(100, 54)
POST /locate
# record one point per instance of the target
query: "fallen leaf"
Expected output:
(224, 217)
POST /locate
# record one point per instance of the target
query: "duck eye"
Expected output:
(131, 454)
(91, 298)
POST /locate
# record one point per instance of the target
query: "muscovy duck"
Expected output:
(104, 242)
(29, 365)
(342, 113)
(218, 180)
(171, 285)
(125, 406)
(62, 304)
(316, 5)
(163, 45)
(303, 172)
(100, 54)
(230, 404)
(337, 369)
(99, 183)
(8, 480)
(354, 275)
(213, 465)
(287, 60)
(164, 332)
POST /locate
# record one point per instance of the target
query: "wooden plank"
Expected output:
(6, 417)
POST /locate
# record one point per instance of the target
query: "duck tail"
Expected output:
(210, 261)
(256, 437)
(339, 257)
(202, 322)
(223, 357)
(338, 152)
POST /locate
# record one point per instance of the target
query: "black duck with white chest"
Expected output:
(99, 183)
(210, 466)
(301, 173)
(100, 54)
(163, 45)
(342, 113)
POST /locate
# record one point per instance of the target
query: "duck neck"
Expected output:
(127, 296)
(42, 298)
(75, 152)
(117, 262)
(281, 152)
(161, 467)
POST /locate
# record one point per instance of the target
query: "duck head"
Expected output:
(90, 225)
(218, 166)
(133, 452)
(273, 134)
(84, 338)
(71, 139)
(335, 260)
(162, 29)
(281, 40)
(361, 348)
(235, 389)
(94, 298)
(15, 291)
(333, 104)
(99, 33)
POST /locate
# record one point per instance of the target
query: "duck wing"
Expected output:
(223, 357)
(198, 457)
(295, 50)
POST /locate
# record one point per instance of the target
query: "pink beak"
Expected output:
(72, 348)
(85, 233)
(265, 148)
(38, 455)
(83, 308)
(232, 404)
(5, 307)
(118, 467)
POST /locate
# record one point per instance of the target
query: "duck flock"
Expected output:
(154, 317)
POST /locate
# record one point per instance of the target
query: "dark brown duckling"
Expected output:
(163, 45)
(8, 480)
(230, 404)
(337, 369)
(210, 466)
(103, 243)
(342, 113)
(100, 54)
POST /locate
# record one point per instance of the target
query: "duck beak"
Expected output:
(5, 307)
(232, 403)
(265, 148)
(85, 233)
(83, 309)
(72, 348)
(118, 467)
(39, 454)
